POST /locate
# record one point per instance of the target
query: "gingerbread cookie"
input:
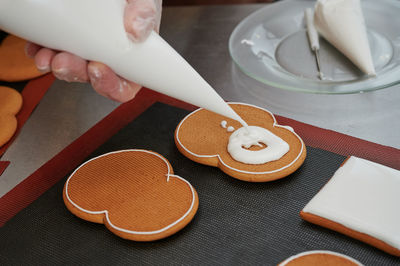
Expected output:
(362, 201)
(320, 258)
(10, 104)
(134, 193)
(14, 64)
(264, 151)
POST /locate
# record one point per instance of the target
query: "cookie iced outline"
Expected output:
(219, 157)
(285, 262)
(106, 211)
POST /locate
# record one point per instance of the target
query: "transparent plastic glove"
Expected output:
(140, 18)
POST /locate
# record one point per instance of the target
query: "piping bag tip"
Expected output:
(161, 68)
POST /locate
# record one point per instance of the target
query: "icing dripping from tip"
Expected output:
(242, 122)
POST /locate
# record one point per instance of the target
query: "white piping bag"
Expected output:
(94, 30)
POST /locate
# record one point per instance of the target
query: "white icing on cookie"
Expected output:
(168, 177)
(219, 157)
(292, 258)
(230, 129)
(244, 138)
(363, 196)
(223, 123)
(288, 128)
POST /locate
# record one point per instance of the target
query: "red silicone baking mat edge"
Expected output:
(58, 167)
(31, 96)
(70, 157)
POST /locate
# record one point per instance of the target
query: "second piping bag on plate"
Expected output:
(341, 22)
(94, 30)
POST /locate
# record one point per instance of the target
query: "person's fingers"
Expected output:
(31, 49)
(158, 4)
(43, 59)
(107, 83)
(69, 67)
(140, 19)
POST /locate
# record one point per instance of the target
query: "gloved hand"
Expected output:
(140, 18)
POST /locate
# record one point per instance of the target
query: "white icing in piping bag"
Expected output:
(342, 23)
(94, 30)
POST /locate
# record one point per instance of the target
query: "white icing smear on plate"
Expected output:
(245, 137)
(248, 42)
(363, 196)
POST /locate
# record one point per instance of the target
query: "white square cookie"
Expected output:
(361, 200)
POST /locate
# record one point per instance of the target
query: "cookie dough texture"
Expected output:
(10, 104)
(201, 138)
(134, 193)
(15, 65)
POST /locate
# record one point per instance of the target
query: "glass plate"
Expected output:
(271, 46)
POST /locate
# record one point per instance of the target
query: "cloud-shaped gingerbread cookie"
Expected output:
(262, 152)
(320, 257)
(14, 64)
(10, 104)
(134, 193)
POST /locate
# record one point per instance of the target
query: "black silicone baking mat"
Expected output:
(237, 222)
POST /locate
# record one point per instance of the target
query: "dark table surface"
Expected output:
(200, 34)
